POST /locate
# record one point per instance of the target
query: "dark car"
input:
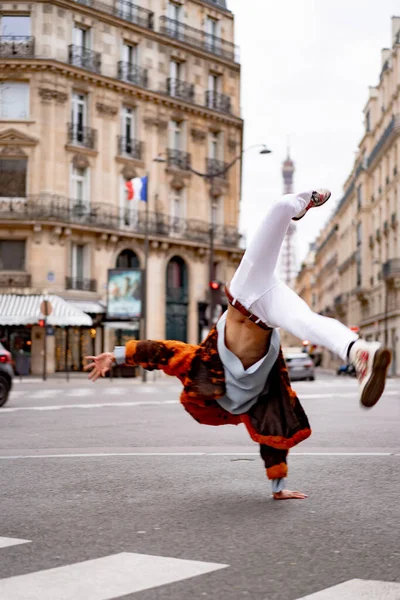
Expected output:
(6, 374)
(300, 367)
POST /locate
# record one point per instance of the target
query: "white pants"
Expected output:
(256, 285)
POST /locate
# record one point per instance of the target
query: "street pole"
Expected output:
(146, 260)
(45, 350)
(211, 257)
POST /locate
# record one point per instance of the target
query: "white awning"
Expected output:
(89, 306)
(18, 309)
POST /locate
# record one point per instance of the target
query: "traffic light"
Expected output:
(41, 322)
(215, 285)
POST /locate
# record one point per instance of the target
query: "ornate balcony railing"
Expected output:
(133, 74)
(391, 268)
(178, 159)
(218, 101)
(180, 89)
(19, 46)
(84, 58)
(81, 136)
(130, 147)
(85, 285)
(198, 38)
(214, 167)
(56, 210)
(123, 9)
(12, 279)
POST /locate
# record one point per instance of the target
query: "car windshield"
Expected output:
(297, 359)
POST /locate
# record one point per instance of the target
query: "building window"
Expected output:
(12, 255)
(14, 100)
(176, 135)
(368, 121)
(79, 117)
(80, 195)
(359, 197)
(15, 26)
(79, 263)
(81, 37)
(214, 90)
(128, 125)
(217, 211)
(174, 11)
(127, 259)
(215, 149)
(130, 54)
(359, 234)
(13, 177)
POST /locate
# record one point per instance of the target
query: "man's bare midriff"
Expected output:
(244, 338)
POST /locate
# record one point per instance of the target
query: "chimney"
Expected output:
(395, 30)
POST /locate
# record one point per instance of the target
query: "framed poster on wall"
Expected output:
(124, 294)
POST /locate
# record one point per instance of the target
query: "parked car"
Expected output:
(300, 366)
(6, 374)
(346, 370)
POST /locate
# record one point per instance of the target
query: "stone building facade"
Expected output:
(91, 92)
(357, 260)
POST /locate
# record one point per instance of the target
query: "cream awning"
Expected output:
(16, 309)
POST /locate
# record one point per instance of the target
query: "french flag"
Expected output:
(137, 188)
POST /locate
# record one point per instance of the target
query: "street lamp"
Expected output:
(211, 176)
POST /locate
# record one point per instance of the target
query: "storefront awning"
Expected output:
(18, 309)
(89, 306)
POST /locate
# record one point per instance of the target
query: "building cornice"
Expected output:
(102, 81)
(149, 33)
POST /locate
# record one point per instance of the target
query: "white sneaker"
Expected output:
(318, 198)
(371, 362)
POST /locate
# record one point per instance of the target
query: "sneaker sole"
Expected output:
(374, 388)
(303, 214)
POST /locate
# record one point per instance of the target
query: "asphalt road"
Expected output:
(113, 491)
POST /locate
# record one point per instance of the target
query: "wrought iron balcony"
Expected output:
(123, 9)
(130, 147)
(391, 269)
(218, 101)
(133, 74)
(392, 129)
(10, 279)
(216, 168)
(84, 58)
(17, 46)
(197, 38)
(180, 89)
(178, 159)
(82, 136)
(84, 285)
(60, 210)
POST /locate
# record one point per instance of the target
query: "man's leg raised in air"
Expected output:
(256, 286)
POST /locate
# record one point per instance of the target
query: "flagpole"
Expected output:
(146, 260)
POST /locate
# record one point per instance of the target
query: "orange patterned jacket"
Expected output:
(277, 421)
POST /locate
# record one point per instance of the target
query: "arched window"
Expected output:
(127, 259)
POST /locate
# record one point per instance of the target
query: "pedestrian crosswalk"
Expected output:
(358, 589)
(105, 578)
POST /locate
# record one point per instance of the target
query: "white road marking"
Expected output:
(5, 542)
(358, 589)
(103, 578)
(40, 394)
(146, 454)
(93, 405)
(80, 392)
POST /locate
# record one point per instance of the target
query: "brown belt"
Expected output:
(236, 304)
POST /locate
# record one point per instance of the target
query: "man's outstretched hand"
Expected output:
(99, 365)
(287, 495)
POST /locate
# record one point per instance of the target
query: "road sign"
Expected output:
(51, 276)
(46, 308)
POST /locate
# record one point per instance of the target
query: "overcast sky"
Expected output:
(306, 69)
